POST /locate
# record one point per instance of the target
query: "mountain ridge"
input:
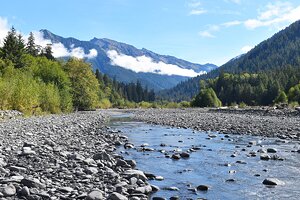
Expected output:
(105, 65)
(280, 50)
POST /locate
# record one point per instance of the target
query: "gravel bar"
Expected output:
(268, 122)
(66, 157)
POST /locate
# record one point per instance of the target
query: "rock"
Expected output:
(135, 173)
(184, 155)
(272, 181)
(171, 188)
(95, 195)
(232, 172)
(158, 198)
(128, 146)
(66, 189)
(265, 156)
(25, 191)
(32, 183)
(230, 180)
(252, 142)
(272, 150)
(159, 178)
(132, 163)
(102, 156)
(176, 156)
(17, 169)
(202, 187)
(144, 190)
(91, 170)
(155, 188)
(174, 198)
(116, 196)
(9, 190)
(27, 151)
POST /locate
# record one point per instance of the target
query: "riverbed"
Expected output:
(229, 165)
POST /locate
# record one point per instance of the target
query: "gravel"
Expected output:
(269, 122)
(65, 157)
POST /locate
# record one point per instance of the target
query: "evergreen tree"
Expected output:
(13, 48)
(206, 98)
(47, 52)
(31, 47)
(281, 98)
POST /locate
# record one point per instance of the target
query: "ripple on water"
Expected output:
(211, 162)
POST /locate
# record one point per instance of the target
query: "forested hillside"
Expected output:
(278, 52)
(264, 88)
(34, 82)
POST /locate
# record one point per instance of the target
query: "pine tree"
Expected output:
(13, 48)
(31, 47)
(48, 52)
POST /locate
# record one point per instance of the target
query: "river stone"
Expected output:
(202, 187)
(116, 196)
(155, 188)
(272, 181)
(158, 198)
(17, 169)
(32, 183)
(272, 150)
(94, 195)
(265, 156)
(135, 173)
(171, 188)
(144, 190)
(176, 156)
(66, 189)
(185, 155)
(174, 198)
(25, 191)
(9, 190)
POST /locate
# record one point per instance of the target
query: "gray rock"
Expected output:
(25, 191)
(265, 156)
(202, 187)
(159, 198)
(176, 156)
(95, 195)
(272, 150)
(32, 183)
(9, 190)
(171, 188)
(135, 173)
(185, 155)
(272, 181)
(116, 196)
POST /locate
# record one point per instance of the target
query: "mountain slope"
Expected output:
(156, 80)
(279, 51)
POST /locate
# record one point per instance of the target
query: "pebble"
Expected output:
(272, 181)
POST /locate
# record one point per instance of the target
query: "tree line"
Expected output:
(34, 82)
(264, 88)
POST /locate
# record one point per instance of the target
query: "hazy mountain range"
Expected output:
(127, 63)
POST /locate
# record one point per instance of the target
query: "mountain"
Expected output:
(123, 62)
(279, 51)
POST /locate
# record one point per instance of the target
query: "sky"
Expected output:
(200, 31)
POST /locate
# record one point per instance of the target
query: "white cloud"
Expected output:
(4, 28)
(277, 14)
(196, 8)
(206, 34)
(147, 65)
(59, 50)
(197, 12)
(246, 48)
(209, 33)
(232, 23)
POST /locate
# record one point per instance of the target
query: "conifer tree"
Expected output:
(31, 47)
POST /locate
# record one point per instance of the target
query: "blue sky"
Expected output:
(199, 31)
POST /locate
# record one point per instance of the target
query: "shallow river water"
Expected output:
(209, 165)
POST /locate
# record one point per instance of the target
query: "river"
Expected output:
(228, 164)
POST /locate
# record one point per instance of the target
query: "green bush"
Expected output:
(206, 98)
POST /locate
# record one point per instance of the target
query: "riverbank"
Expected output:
(66, 157)
(268, 122)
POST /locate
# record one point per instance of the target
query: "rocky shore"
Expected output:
(269, 122)
(66, 157)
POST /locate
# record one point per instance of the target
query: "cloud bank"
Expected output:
(59, 50)
(147, 65)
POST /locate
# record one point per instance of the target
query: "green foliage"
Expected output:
(206, 98)
(294, 93)
(242, 105)
(13, 48)
(274, 54)
(281, 98)
(105, 103)
(31, 47)
(84, 84)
